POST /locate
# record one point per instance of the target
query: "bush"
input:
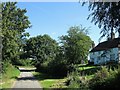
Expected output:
(9, 75)
(114, 79)
(74, 80)
(4, 66)
(106, 78)
(42, 67)
(99, 79)
(24, 62)
(58, 68)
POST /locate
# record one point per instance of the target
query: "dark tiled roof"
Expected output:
(107, 45)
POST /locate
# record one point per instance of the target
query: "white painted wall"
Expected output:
(98, 59)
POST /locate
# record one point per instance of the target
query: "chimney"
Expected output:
(93, 44)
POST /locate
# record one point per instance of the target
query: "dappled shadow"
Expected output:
(26, 70)
(27, 78)
(42, 76)
(14, 77)
(90, 71)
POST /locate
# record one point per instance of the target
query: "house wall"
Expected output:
(102, 57)
(118, 54)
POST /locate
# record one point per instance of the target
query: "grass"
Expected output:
(47, 81)
(88, 69)
(84, 67)
(26, 66)
(9, 77)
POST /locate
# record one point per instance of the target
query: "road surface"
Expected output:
(26, 80)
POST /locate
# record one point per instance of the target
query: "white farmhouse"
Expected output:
(106, 52)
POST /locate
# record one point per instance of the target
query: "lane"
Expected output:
(26, 80)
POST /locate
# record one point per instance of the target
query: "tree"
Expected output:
(42, 47)
(76, 45)
(107, 16)
(14, 23)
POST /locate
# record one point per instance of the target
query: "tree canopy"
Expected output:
(14, 22)
(107, 16)
(43, 48)
(76, 45)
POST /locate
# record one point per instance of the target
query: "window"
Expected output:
(92, 60)
(98, 58)
(112, 57)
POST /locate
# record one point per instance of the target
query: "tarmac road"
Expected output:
(26, 80)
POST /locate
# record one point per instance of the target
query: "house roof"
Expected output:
(113, 43)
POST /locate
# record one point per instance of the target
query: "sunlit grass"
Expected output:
(9, 77)
(26, 66)
(86, 67)
(47, 81)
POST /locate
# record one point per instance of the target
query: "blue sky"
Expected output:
(55, 18)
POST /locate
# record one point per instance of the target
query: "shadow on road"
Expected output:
(27, 78)
(25, 70)
(26, 74)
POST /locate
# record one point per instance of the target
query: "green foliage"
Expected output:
(73, 80)
(107, 16)
(88, 69)
(14, 22)
(99, 78)
(4, 66)
(24, 62)
(9, 75)
(58, 60)
(76, 81)
(48, 81)
(58, 68)
(105, 78)
(76, 45)
(41, 48)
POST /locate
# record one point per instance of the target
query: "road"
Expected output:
(26, 80)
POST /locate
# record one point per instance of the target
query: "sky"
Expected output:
(55, 18)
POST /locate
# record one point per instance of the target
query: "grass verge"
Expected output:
(9, 77)
(47, 81)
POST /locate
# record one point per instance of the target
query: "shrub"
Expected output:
(76, 81)
(99, 79)
(24, 62)
(73, 80)
(106, 78)
(58, 68)
(5, 65)
(42, 67)
(114, 79)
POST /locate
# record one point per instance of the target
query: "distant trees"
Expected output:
(57, 58)
(107, 16)
(14, 22)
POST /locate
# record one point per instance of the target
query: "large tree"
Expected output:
(14, 23)
(42, 48)
(76, 45)
(107, 16)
